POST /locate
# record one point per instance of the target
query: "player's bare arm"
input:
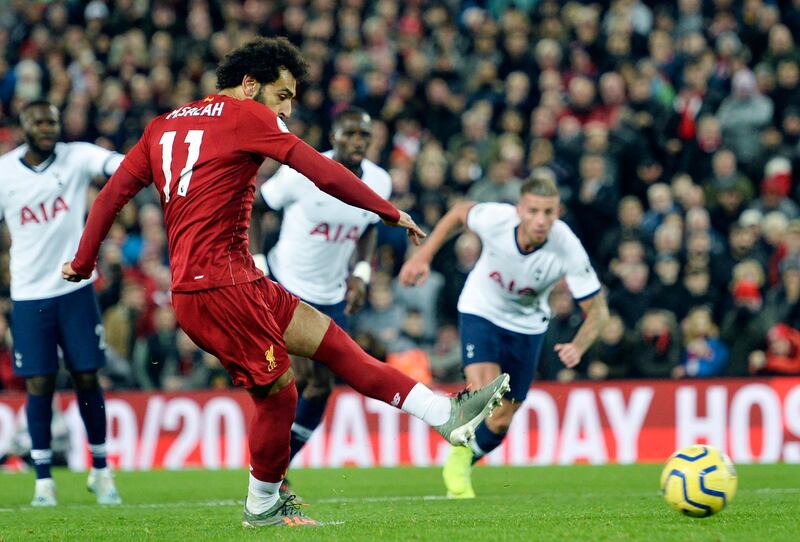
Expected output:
(359, 279)
(596, 310)
(416, 270)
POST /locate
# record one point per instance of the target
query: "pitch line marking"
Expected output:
(343, 500)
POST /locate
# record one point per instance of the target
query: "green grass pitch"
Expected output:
(538, 503)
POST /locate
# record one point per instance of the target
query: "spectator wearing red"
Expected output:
(775, 189)
(782, 356)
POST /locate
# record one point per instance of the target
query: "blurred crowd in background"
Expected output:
(672, 129)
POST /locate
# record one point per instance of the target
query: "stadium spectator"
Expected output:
(611, 356)
(782, 356)
(656, 345)
(782, 302)
(704, 355)
(382, 317)
(155, 357)
(743, 115)
(121, 320)
(744, 326)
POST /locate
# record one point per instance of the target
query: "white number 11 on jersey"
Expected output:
(194, 138)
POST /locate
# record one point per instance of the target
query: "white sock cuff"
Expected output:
(98, 450)
(422, 403)
(256, 485)
(417, 400)
(42, 455)
(302, 433)
(476, 450)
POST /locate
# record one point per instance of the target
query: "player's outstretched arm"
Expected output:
(416, 270)
(118, 191)
(335, 179)
(596, 310)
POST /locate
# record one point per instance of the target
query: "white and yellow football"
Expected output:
(698, 480)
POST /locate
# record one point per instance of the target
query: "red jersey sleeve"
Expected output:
(133, 174)
(262, 132)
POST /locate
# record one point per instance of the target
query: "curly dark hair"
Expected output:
(262, 59)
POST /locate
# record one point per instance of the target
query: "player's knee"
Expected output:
(41, 385)
(85, 382)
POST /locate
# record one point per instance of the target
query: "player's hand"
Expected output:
(67, 273)
(355, 296)
(569, 354)
(414, 232)
(414, 272)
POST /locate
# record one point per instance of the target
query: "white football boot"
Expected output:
(101, 483)
(45, 493)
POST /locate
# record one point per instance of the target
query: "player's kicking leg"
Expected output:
(314, 335)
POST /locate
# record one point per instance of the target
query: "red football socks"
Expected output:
(361, 371)
(270, 434)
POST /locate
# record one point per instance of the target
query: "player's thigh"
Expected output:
(34, 328)
(481, 349)
(336, 313)
(521, 353)
(80, 331)
(319, 379)
(237, 325)
(306, 330)
(312, 373)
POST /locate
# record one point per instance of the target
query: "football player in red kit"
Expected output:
(203, 158)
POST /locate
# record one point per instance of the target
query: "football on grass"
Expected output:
(698, 480)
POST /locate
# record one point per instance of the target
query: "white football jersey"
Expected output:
(510, 288)
(44, 208)
(319, 233)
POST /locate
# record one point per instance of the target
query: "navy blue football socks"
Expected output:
(307, 418)
(486, 440)
(39, 410)
(93, 411)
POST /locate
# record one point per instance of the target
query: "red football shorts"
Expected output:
(242, 325)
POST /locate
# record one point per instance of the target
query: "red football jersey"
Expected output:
(203, 158)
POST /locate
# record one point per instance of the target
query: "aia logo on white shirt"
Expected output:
(337, 233)
(42, 213)
(511, 286)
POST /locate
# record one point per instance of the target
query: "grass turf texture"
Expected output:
(540, 503)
